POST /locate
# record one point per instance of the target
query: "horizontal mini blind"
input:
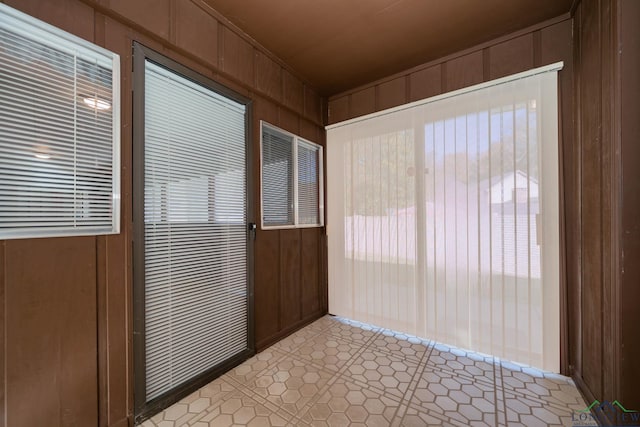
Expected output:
(195, 230)
(443, 219)
(59, 132)
(292, 180)
(277, 177)
(308, 183)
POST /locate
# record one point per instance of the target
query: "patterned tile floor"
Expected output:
(336, 372)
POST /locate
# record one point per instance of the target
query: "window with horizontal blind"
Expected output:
(292, 184)
(192, 250)
(59, 132)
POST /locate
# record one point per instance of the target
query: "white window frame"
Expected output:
(46, 34)
(296, 140)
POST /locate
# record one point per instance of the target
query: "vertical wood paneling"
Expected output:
(606, 38)
(606, 111)
(629, 87)
(554, 44)
(268, 77)
(115, 254)
(310, 277)
(464, 71)
(237, 56)
(153, 15)
(288, 121)
(578, 149)
(310, 132)
(339, 109)
(392, 93)
(119, 329)
(425, 83)
(196, 31)
(267, 244)
(267, 285)
(607, 108)
(363, 102)
(312, 105)
(51, 332)
(591, 200)
(103, 331)
(510, 57)
(290, 292)
(293, 91)
(70, 15)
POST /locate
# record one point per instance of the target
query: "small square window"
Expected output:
(292, 180)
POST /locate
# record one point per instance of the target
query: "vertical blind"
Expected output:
(195, 229)
(59, 132)
(443, 219)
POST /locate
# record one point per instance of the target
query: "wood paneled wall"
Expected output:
(65, 303)
(628, 177)
(540, 45)
(607, 105)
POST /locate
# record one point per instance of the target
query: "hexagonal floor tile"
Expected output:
(324, 323)
(249, 369)
(400, 345)
(239, 409)
(419, 418)
(346, 403)
(384, 372)
(454, 397)
(479, 367)
(551, 388)
(530, 411)
(291, 384)
(337, 372)
(356, 332)
(327, 351)
(295, 340)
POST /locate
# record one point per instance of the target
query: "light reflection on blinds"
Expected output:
(59, 156)
(433, 220)
(195, 230)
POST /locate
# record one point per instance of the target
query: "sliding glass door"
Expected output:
(192, 249)
(443, 219)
